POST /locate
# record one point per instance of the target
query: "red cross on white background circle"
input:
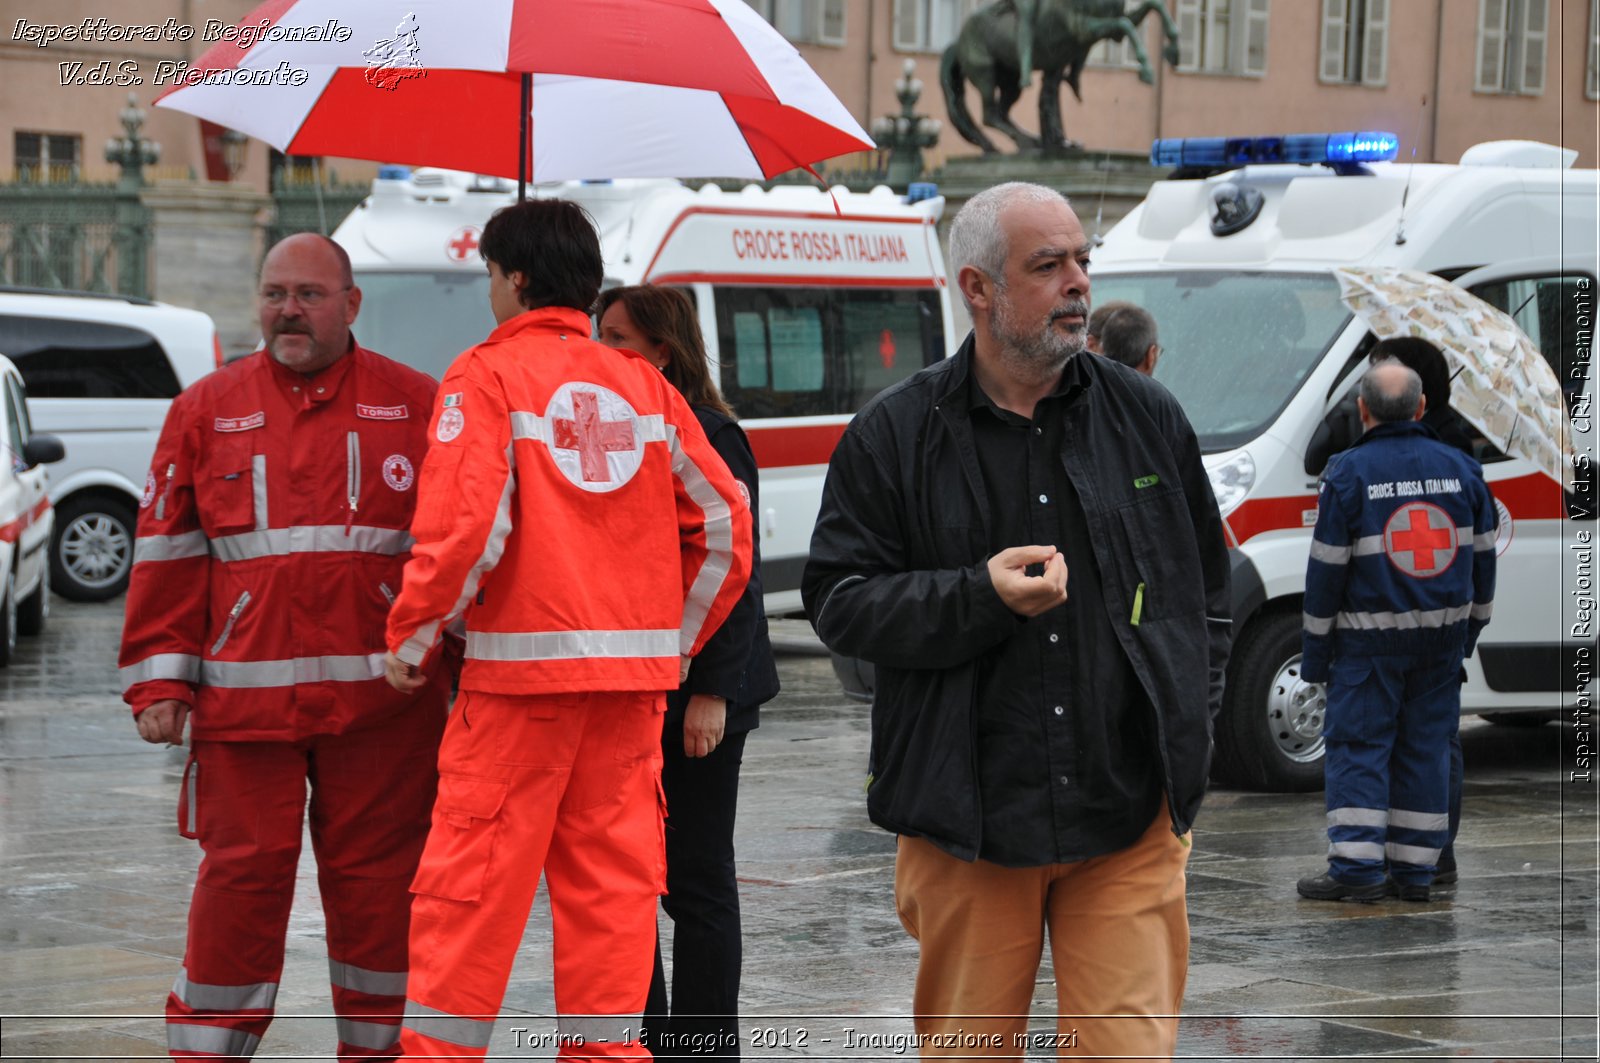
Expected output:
(1420, 539)
(595, 436)
(462, 243)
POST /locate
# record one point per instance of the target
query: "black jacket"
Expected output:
(897, 576)
(735, 663)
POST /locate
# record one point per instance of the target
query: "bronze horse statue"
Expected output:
(1001, 45)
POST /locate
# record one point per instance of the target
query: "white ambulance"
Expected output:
(1234, 258)
(811, 302)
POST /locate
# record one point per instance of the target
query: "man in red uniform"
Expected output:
(571, 505)
(272, 535)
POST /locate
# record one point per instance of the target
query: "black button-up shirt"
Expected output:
(1067, 762)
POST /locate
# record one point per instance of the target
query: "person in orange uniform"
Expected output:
(572, 508)
(272, 533)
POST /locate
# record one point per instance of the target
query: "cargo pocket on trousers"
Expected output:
(188, 800)
(461, 844)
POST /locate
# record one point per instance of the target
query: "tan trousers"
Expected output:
(1119, 944)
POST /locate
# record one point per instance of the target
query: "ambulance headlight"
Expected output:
(1232, 480)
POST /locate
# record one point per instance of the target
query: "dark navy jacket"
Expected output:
(1402, 560)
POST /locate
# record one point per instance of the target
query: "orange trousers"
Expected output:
(1119, 944)
(569, 784)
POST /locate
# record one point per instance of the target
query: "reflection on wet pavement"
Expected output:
(94, 884)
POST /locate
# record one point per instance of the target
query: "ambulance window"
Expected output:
(798, 352)
(1549, 310)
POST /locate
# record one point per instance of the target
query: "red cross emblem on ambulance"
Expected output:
(595, 436)
(462, 243)
(1420, 539)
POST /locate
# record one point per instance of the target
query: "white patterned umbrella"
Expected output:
(1499, 380)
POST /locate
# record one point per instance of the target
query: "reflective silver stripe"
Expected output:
(1356, 850)
(1482, 611)
(377, 983)
(1411, 854)
(169, 547)
(1367, 544)
(1317, 625)
(598, 1029)
(1399, 817)
(184, 667)
(1332, 555)
(312, 539)
(569, 645)
(374, 1035)
(719, 544)
(1479, 542)
(258, 490)
(1358, 817)
(415, 648)
(210, 1040)
(202, 997)
(468, 1033)
(530, 426)
(292, 672)
(191, 784)
(1409, 621)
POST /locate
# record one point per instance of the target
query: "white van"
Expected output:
(101, 371)
(1259, 347)
(811, 302)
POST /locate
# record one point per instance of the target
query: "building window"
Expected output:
(1355, 42)
(47, 158)
(1592, 84)
(930, 25)
(1222, 37)
(1118, 55)
(805, 21)
(1511, 42)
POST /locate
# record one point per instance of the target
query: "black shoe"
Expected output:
(1407, 891)
(1325, 887)
(1446, 875)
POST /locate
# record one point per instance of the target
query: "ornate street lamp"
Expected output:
(907, 133)
(131, 151)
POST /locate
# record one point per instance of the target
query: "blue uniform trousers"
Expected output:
(1387, 767)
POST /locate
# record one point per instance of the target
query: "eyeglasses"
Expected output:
(306, 297)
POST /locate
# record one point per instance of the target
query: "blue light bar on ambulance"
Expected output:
(1333, 149)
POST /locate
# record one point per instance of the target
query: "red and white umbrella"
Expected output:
(619, 88)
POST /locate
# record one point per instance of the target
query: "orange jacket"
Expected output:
(571, 505)
(272, 535)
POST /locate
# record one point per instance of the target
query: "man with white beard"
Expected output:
(1040, 745)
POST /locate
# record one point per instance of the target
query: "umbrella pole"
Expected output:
(524, 149)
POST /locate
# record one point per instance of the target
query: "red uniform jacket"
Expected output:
(571, 505)
(272, 537)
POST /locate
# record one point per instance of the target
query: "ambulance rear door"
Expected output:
(1538, 650)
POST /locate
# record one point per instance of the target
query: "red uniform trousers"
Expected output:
(245, 801)
(566, 783)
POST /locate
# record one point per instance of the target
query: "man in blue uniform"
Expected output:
(1400, 583)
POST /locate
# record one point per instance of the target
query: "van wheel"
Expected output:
(91, 553)
(8, 618)
(1270, 734)
(35, 610)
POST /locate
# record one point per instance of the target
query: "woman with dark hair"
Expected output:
(707, 719)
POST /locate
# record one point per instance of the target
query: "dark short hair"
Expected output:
(1387, 404)
(1097, 318)
(553, 243)
(1127, 334)
(667, 316)
(1422, 358)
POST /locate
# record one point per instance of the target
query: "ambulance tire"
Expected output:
(1269, 737)
(91, 552)
(8, 618)
(34, 610)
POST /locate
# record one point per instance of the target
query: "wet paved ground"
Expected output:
(94, 882)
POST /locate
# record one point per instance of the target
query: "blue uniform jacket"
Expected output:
(1402, 560)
